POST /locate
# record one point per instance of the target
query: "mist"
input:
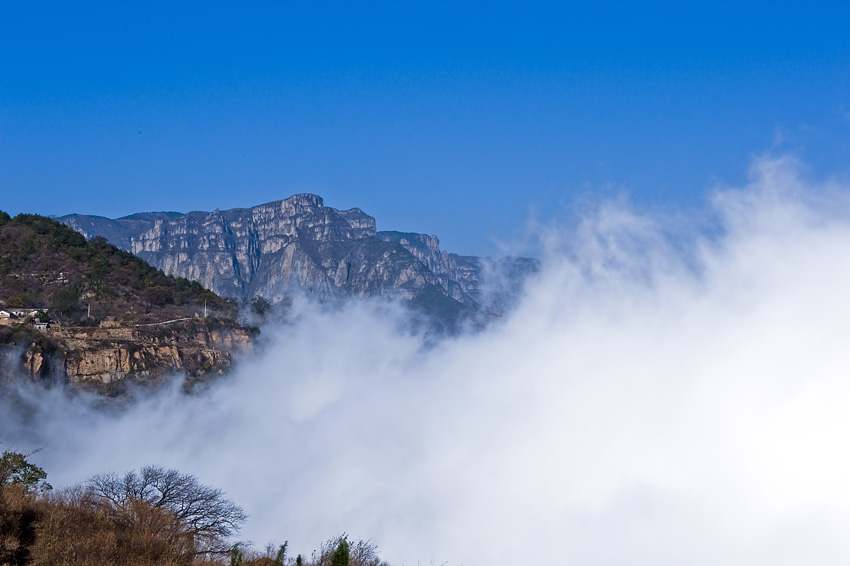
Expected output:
(671, 389)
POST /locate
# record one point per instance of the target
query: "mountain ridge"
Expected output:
(298, 244)
(87, 312)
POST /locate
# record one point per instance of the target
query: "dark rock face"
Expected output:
(300, 245)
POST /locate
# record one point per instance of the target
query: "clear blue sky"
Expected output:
(455, 119)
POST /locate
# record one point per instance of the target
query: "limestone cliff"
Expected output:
(301, 245)
(104, 355)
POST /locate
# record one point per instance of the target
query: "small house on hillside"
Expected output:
(22, 313)
(10, 316)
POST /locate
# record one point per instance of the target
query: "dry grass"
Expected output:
(70, 528)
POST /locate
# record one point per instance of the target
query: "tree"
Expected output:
(65, 300)
(280, 559)
(20, 514)
(201, 512)
(261, 307)
(14, 469)
(340, 556)
(339, 551)
(235, 555)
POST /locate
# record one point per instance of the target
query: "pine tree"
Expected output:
(235, 555)
(341, 554)
(280, 559)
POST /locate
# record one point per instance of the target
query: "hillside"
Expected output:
(109, 314)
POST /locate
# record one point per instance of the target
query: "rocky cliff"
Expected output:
(301, 245)
(105, 355)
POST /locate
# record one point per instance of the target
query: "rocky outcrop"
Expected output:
(34, 362)
(301, 245)
(493, 284)
(104, 355)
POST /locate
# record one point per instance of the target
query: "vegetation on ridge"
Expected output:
(110, 314)
(155, 517)
(45, 264)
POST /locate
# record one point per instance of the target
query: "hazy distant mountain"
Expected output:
(298, 244)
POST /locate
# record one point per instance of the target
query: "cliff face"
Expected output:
(141, 352)
(105, 355)
(300, 245)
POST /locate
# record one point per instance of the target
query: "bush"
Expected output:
(20, 516)
(156, 517)
(20, 512)
(74, 530)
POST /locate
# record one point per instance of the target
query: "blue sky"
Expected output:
(455, 119)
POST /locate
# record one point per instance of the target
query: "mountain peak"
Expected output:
(300, 245)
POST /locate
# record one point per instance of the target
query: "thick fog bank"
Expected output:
(662, 395)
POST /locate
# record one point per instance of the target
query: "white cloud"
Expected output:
(660, 396)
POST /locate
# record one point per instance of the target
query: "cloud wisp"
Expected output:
(661, 395)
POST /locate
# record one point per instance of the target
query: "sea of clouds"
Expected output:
(671, 389)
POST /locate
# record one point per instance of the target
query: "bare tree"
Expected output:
(200, 512)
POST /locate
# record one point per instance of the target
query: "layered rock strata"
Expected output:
(106, 355)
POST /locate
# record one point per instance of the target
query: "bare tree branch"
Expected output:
(200, 511)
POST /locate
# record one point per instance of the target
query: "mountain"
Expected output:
(89, 312)
(300, 245)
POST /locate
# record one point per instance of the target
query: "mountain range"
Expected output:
(298, 245)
